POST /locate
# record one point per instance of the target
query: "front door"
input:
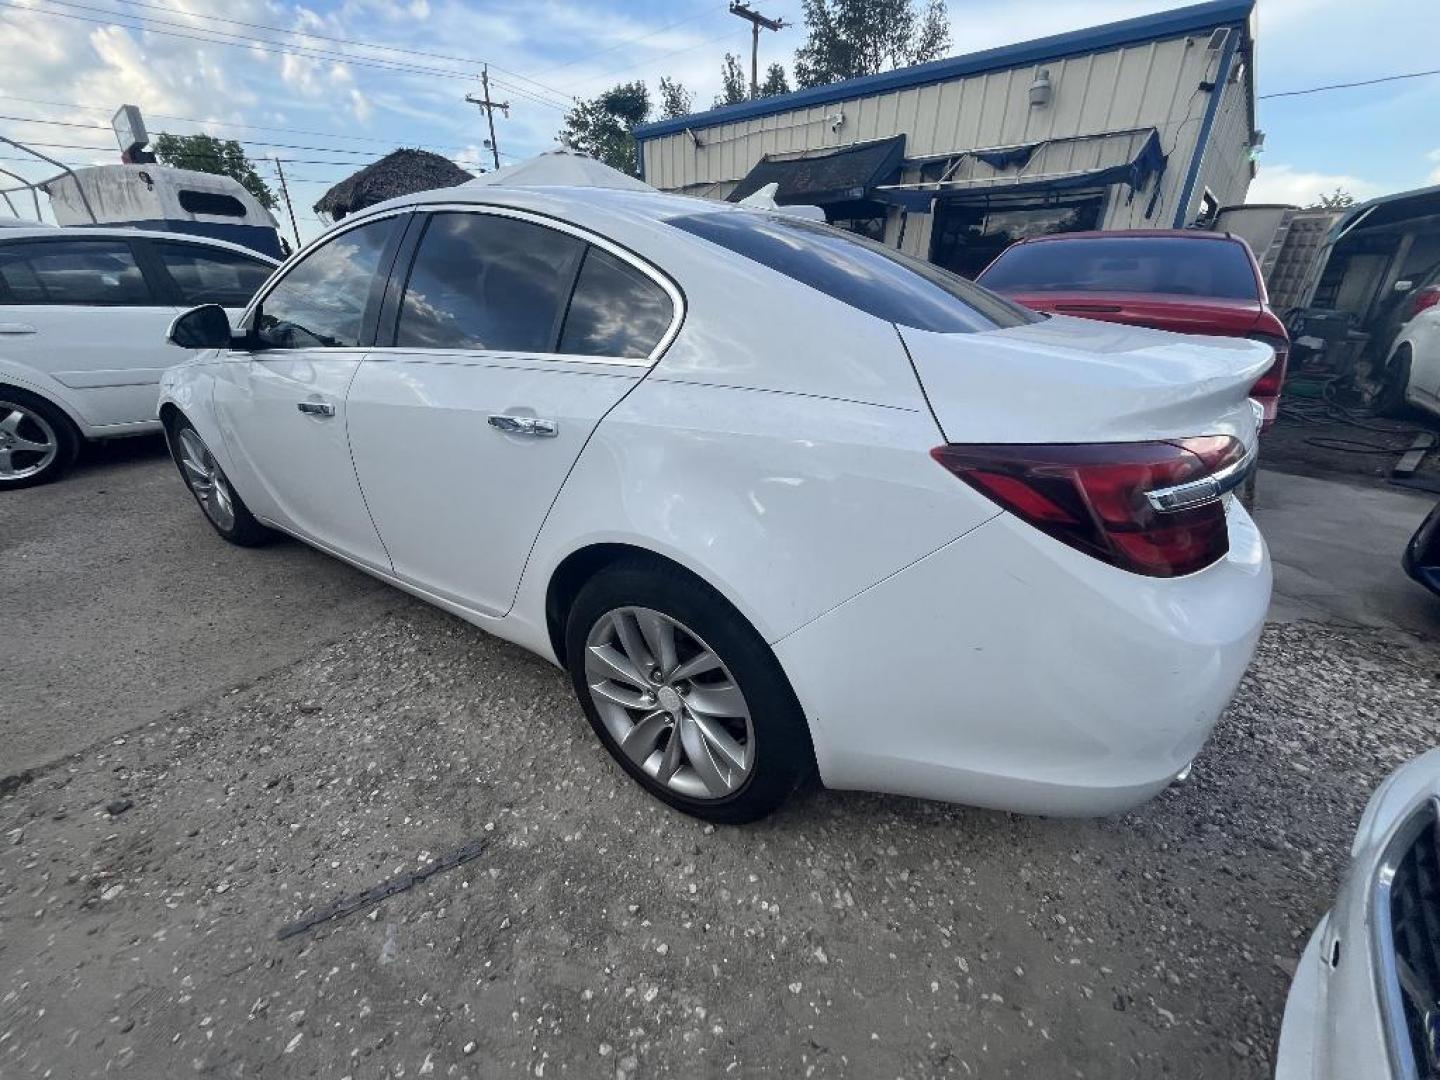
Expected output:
(464, 429)
(282, 403)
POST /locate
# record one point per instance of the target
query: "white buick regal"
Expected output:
(778, 498)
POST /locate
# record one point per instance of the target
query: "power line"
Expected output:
(650, 60)
(1348, 85)
(710, 10)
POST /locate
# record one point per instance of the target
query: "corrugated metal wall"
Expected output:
(1137, 86)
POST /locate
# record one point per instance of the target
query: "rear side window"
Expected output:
(321, 301)
(858, 272)
(209, 275)
(1174, 266)
(481, 281)
(77, 272)
(616, 310)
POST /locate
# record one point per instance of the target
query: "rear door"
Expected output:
(208, 273)
(82, 312)
(510, 337)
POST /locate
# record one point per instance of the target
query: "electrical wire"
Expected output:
(1348, 85)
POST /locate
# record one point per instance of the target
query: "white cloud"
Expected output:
(1434, 156)
(1287, 184)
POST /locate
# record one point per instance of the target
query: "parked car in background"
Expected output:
(1422, 554)
(1188, 281)
(1412, 371)
(887, 522)
(83, 315)
(1363, 1000)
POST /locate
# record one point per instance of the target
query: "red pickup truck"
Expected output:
(1170, 279)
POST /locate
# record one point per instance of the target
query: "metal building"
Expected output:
(1145, 123)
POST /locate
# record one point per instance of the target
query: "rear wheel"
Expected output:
(685, 695)
(1391, 399)
(223, 508)
(37, 440)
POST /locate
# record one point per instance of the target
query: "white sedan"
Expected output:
(83, 314)
(1412, 373)
(776, 497)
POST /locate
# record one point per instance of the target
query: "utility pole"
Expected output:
(489, 107)
(756, 21)
(285, 190)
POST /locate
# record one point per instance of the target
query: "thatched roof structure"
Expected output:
(400, 172)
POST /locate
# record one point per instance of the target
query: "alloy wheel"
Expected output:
(670, 703)
(206, 480)
(28, 442)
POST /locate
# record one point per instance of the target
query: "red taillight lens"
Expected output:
(1093, 497)
(1267, 388)
(1425, 298)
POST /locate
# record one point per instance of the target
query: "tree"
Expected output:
(1338, 199)
(675, 100)
(775, 81)
(604, 126)
(734, 87)
(848, 38)
(207, 154)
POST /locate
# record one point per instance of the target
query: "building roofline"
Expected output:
(1091, 39)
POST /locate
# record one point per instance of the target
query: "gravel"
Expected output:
(600, 934)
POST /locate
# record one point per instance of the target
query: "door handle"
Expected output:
(525, 425)
(18, 328)
(315, 408)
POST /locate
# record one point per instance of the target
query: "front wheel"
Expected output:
(1394, 383)
(223, 508)
(685, 695)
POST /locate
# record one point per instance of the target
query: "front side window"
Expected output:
(481, 281)
(209, 275)
(878, 280)
(1175, 266)
(77, 272)
(616, 310)
(320, 302)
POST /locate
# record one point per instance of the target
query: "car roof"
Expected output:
(74, 232)
(1122, 234)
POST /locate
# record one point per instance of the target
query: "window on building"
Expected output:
(481, 281)
(80, 272)
(320, 301)
(212, 275)
(966, 235)
(616, 310)
(858, 272)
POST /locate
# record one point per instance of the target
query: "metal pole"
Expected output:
(490, 113)
(285, 190)
(754, 60)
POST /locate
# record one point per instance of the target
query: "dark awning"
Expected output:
(1130, 157)
(826, 176)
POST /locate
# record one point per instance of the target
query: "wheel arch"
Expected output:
(76, 422)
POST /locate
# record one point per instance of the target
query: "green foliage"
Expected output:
(1338, 199)
(848, 38)
(221, 157)
(775, 81)
(675, 100)
(734, 86)
(604, 127)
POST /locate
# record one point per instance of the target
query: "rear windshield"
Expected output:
(1176, 266)
(858, 272)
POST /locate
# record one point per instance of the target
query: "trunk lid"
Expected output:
(1222, 316)
(1069, 380)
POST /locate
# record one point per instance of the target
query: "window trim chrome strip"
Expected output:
(1207, 489)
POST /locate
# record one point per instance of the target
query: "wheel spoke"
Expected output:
(698, 753)
(699, 664)
(642, 739)
(659, 634)
(5, 465)
(721, 699)
(616, 665)
(620, 695)
(721, 742)
(11, 424)
(671, 762)
(29, 447)
(632, 641)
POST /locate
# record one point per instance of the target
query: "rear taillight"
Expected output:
(1267, 388)
(1101, 498)
(1427, 297)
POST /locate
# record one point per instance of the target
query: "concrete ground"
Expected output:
(220, 741)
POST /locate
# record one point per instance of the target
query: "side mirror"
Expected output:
(203, 327)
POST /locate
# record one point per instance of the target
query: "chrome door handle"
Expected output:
(17, 328)
(315, 408)
(525, 425)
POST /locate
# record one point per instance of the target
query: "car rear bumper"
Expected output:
(1010, 671)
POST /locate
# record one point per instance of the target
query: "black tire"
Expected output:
(240, 526)
(781, 753)
(1391, 399)
(38, 421)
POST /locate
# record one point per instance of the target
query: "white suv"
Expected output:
(83, 315)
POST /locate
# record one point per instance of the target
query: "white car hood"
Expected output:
(1077, 380)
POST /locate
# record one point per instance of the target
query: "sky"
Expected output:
(328, 87)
